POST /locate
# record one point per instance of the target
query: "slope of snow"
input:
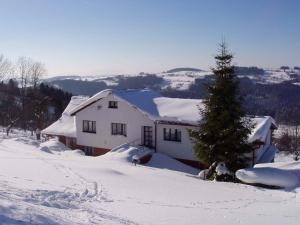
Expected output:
(37, 187)
(162, 161)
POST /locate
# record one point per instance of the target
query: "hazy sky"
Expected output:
(91, 37)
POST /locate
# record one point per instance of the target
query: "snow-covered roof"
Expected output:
(158, 108)
(153, 104)
(65, 125)
(262, 125)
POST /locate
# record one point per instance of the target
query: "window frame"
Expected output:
(89, 126)
(119, 129)
(112, 104)
(172, 134)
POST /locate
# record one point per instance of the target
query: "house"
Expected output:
(142, 117)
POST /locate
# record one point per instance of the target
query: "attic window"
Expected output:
(113, 104)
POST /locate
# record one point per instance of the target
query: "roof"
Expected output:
(153, 104)
(262, 125)
(65, 125)
(158, 108)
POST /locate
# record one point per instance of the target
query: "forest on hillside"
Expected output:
(36, 108)
(25, 102)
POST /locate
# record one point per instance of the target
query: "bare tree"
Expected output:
(37, 71)
(290, 139)
(23, 71)
(5, 67)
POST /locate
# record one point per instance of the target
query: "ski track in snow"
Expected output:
(82, 200)
(75, 197)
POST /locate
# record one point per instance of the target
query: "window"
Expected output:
(89, 126)
(118, 129)
(171, 134)
(113, 104)
(88, 150)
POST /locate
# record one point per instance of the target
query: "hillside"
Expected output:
(69, 188)
(178, 78)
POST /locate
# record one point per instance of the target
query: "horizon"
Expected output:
(90, 38)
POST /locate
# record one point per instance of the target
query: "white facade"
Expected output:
(179, 150)
(135, 120)
(104, 117)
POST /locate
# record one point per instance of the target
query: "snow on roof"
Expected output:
(179, 109)
(65, 125)
(153, 104)
(262, 125)
(185, 111)
(91, 100)
(74, 102)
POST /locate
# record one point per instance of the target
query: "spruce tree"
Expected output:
(223, 130)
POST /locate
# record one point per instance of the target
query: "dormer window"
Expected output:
(113, 104)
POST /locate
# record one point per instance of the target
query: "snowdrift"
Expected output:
(269, 176)
(127, 153)
(53, 145)
(162, 161)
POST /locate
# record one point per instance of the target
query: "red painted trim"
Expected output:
(97, 151)
(62, 139)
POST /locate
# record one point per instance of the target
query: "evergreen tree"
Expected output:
(223, 131)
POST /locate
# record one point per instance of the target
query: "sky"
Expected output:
(93, 37)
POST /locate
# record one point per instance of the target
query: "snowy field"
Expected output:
(45, 183)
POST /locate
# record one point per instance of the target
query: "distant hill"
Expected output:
(183, 69)
(266, 91)
(242, 70)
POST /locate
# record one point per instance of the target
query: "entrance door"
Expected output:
(147, 136)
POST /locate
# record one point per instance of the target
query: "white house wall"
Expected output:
(180, 150)
(134, 120)
(104, 116)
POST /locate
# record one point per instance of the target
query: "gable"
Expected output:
(102, 105)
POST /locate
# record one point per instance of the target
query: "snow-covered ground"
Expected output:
(49, 184)
(282, 129)
(271, 76)
(182, 80)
